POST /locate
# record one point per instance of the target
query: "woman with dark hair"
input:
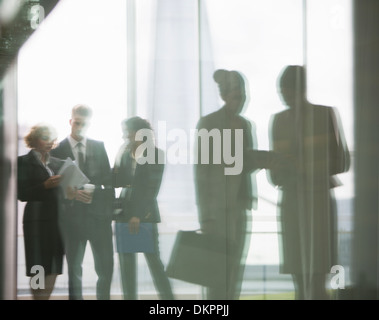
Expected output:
(38, 186)
(140, 182)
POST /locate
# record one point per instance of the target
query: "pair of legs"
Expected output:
(237, 240)
(45, 292)
(309, 239)
(76, 235)
(129, 275)
(44, 256)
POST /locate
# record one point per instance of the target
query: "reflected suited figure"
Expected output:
(87, 218)
(140, 183)
(310, 137)
(222, 199)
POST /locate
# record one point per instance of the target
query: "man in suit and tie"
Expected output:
(87, 218)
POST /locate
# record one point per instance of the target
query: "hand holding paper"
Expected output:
(72, 178)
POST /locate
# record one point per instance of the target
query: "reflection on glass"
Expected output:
(311, 140)
(78, 55)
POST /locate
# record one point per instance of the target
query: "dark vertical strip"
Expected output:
(366, 113)
(8, 192)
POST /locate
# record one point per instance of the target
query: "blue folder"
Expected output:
(127, 242)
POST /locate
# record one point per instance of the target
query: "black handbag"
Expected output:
(198, 258)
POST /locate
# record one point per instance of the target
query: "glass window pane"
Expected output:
(77, 55)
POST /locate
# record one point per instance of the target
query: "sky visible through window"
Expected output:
(77, 56)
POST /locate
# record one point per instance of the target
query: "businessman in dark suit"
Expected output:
(224, 201)
(87, 218)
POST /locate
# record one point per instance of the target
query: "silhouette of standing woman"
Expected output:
(312, 140)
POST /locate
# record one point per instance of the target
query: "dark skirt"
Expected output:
(308, 234)
(43, 246)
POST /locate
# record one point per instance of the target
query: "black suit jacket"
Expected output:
(42, 204)
(145, 185)
(319, 154)
(214, 190)
(98, 171)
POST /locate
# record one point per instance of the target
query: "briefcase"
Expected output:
(198, 258)
(127, 242)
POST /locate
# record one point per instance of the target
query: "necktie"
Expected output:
(80, 156)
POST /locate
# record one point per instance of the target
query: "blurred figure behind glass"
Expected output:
(38, 186)
(85, 220)
(223, 200)
(141, 184)
(311, 138)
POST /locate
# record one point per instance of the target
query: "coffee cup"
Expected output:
(90, 188)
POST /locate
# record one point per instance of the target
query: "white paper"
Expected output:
(72, 176)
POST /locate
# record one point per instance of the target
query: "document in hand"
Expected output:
(72, 176)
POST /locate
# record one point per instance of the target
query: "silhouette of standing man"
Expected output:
(223, 200)
(311, 138)
(86, 218)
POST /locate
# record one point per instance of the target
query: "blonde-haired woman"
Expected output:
(38, 186)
